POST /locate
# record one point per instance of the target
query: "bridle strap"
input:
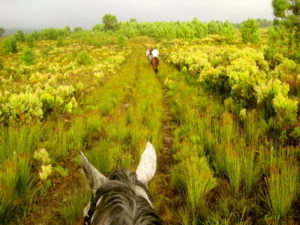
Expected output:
(92, 209)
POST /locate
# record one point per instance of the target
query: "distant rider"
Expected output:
(152, 52)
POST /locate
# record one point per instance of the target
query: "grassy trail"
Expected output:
(160, 188)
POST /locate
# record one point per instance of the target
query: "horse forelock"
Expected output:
(117, 202)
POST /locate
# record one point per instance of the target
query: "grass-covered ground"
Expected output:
(219, 159)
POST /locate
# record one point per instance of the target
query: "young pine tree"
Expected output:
(287, 13)
(250, 31)
(28, 56)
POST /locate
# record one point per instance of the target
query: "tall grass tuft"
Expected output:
(77, 134)
(117, 130)
(94, 124)
(215, 219)
(24, 179)
(196, 179)
(58, 141)
(8, 195)
(16, 187)
(283, 187)
(227, 162)
(105, 156)
(233, 170)
(18, 140)
(255, 127)
(73, 206)
(251, 168)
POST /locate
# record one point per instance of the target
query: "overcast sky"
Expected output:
(34, 14)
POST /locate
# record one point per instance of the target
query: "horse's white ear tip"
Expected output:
(150, 147)
(149, 144)
(82, 156)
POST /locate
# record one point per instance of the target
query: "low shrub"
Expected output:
(83, 58)
(28, 56)
(9, 45)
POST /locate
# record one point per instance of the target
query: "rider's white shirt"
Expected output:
(155, 53)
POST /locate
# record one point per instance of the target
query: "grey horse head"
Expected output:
(121, 197)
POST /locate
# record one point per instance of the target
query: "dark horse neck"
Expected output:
(155, 63)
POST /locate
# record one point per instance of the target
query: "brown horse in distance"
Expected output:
(154, 63)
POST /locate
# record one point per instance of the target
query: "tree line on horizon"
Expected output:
(262, 23)
(283, 32)
(159, 30)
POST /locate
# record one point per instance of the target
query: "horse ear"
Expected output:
(147, 165)
(94, 177)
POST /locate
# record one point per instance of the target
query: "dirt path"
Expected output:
(165, 165)
(168, 208)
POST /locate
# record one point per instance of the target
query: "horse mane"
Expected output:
(116, 202)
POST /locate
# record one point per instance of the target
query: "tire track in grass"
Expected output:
(168, 196)
(165, 198)
(129, 71)
(165, 164)
(163, 195)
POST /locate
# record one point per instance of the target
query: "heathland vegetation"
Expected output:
(222, 113)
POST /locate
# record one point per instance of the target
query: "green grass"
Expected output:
(16, 187)
(16, 180)
(255, 127)
(104, 156)
(283, 186)
(8, 194)
(107, 98)
(94, 124)
(235, 150)
(251, 168)
(196, 179)
(233, 169)
(77, 134)
(57, 142)
(24, 179)
(117, 130)
(192, 174)
(73, 205)
(217, 220)
(18, 140)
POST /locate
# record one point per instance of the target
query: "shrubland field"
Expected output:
(222, 114)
